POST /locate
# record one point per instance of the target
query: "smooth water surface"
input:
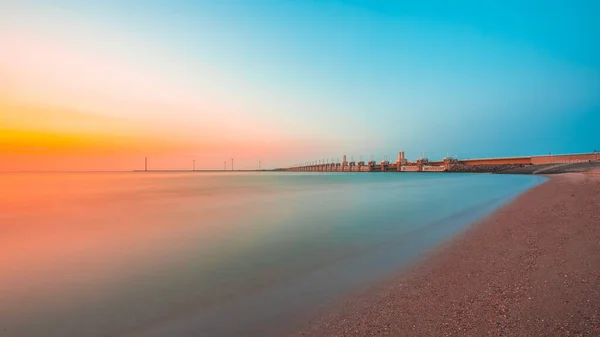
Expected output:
(215, 254)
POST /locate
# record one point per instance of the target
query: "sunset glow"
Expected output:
(175, 168)
(94, 86)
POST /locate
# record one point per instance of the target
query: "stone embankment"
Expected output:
(574, 168)
(526, 169)
(489, 168)
(554, 168)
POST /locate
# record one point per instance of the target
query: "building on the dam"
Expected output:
(447, 164)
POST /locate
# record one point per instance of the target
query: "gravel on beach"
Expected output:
(532, 268)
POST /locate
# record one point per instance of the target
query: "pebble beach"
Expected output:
(532, 268)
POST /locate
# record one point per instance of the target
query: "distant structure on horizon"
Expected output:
(447, 164)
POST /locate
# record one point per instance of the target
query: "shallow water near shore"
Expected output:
(189, 254)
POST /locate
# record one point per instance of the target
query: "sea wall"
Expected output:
(569, 158)
(449, 164)
(483, 168)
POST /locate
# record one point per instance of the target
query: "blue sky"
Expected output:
(468, 78)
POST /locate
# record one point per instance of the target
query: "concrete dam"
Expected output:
(447, 164)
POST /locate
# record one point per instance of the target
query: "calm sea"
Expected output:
(215, 254)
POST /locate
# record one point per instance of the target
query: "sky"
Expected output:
(100, 85)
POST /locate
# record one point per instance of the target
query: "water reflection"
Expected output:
(166, 254)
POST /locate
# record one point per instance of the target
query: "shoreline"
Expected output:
(529, 268)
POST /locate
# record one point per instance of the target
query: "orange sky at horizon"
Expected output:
(49, 138)
(63, 106)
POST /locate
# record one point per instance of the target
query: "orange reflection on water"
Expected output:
(78, 232)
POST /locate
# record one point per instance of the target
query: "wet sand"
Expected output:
(531, 268)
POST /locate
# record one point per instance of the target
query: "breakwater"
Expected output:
(448, 164)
